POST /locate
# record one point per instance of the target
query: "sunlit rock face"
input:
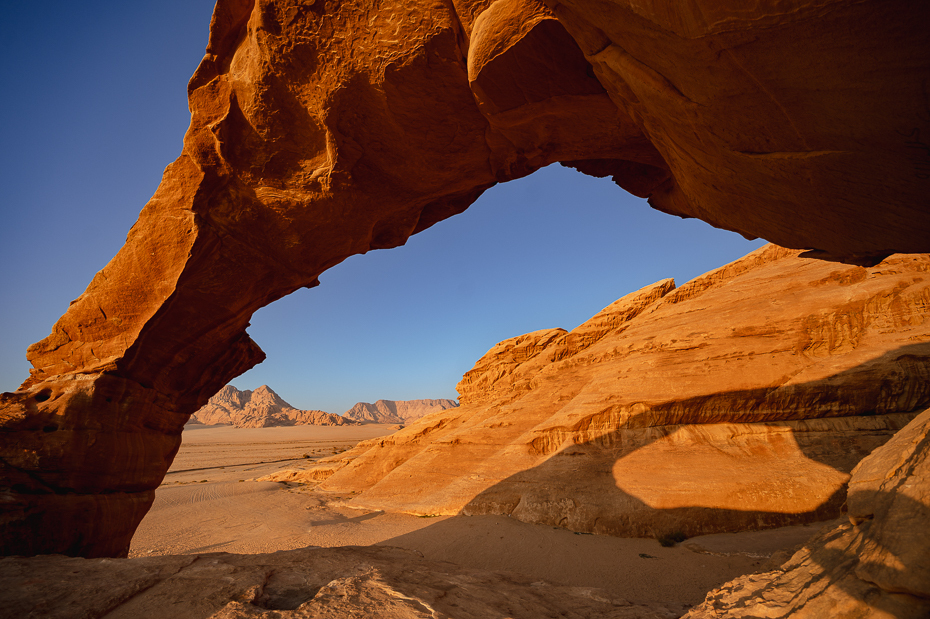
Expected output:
(320, 130)
(741, 400)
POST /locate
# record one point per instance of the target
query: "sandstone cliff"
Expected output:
(396, 411)
(740, 400)
(260, 409)
(324, 130)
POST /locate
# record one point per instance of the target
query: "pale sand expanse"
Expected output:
(202, 506)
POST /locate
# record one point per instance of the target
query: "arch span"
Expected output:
(325, 129)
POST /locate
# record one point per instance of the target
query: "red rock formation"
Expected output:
(396, 411)
(322, 130)
(261, 408)
(741, 400)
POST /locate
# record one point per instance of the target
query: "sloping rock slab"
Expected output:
(875, 566)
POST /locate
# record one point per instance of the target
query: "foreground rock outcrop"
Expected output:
(261, 408)
(877, 565)
(740, 400)
(320, 130)
(396, 411)
(313, 583)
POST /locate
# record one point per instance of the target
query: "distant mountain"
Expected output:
(260, 409)
(400, 411)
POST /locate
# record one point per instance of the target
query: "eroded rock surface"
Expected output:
(316, 583)
(878, 565)
(739, 119)
(741, 400)
(320, 130)
(261, 408)
(397, 411)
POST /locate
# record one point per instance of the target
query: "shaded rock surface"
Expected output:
(324, 130)
(740, 400)
(396, 411)
(877, 565)
(261, 408)
(309, 583)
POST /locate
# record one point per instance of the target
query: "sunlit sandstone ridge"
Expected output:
(320, 130)
(741, 400)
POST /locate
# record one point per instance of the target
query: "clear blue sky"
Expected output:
(95, 107)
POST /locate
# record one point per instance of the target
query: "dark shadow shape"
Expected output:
(344, 520)
(208, 547)
(285, 590)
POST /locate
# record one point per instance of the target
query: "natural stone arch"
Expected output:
(324, 129)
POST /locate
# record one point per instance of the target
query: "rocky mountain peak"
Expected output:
(397, 411)
(258, 409)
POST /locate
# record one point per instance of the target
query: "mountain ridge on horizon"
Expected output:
(263, 407)
(260, 408)
(397, 411)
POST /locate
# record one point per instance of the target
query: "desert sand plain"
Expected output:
(211, 501)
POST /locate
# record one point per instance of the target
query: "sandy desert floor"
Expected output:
(208, 503)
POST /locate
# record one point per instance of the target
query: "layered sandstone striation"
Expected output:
(323, 130)
(876, 565)
(396, 411)
(261, 408)
(740, 400)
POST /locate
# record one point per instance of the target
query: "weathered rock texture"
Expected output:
(320, 130)
(313, 583)
(261, 408)
(877, 566)
(740, 400)
(396, 411)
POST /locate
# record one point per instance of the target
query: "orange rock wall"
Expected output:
(320, 130)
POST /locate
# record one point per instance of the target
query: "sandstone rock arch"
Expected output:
(322, 129)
